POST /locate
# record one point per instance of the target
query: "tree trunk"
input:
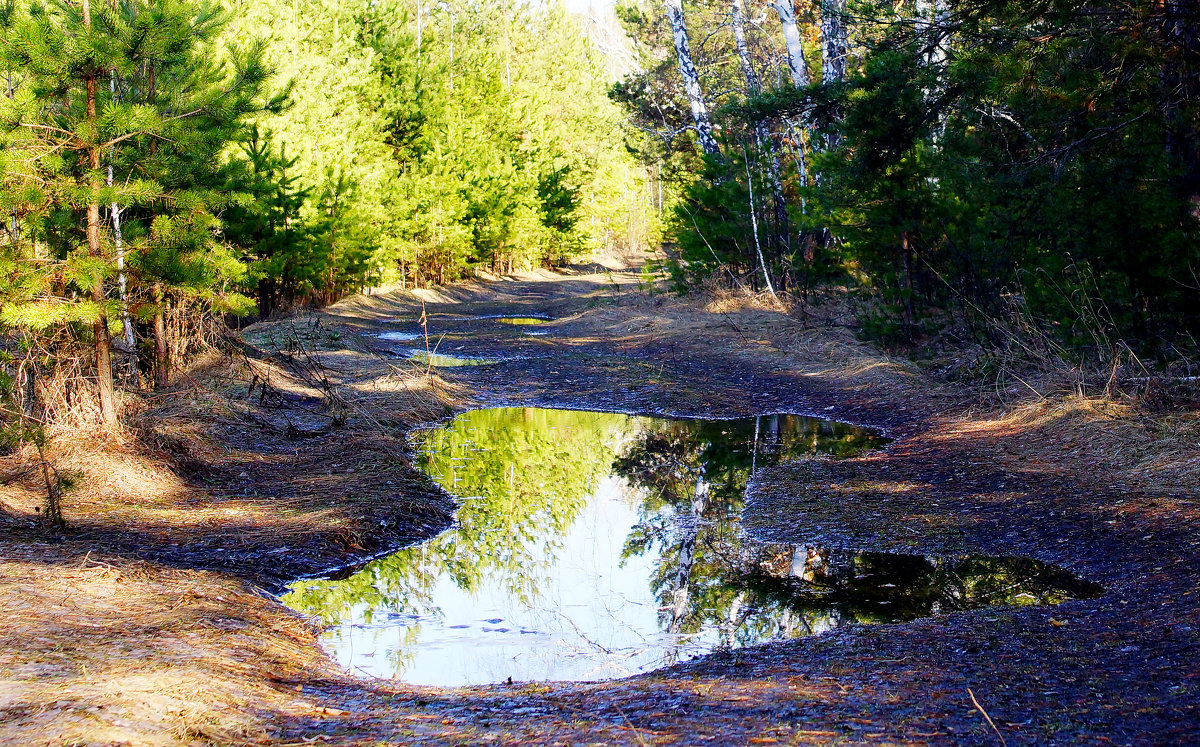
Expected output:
(738, 15)
(14, 226)
(162, 350)
(906, 249)
(754, 226)
(791, 40)
(762, 136)
(834, 48)
(691, 79)
(122, 284)
(103, 342)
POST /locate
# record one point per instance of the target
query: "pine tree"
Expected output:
(136, 87)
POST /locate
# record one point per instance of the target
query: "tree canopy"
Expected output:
(982, 159)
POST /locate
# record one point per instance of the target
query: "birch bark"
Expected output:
(834, 48)
(122, 282)
(691, 79)
(763, 139)
(797, 67)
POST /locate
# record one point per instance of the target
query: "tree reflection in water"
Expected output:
(595, 545)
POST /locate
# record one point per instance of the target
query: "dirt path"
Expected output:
(157, 637)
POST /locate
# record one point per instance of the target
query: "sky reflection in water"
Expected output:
(598, 545)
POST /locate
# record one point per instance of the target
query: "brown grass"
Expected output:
(106, 650)
(1101, 441)
(98, 647)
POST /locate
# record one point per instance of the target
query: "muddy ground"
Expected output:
(151, 620)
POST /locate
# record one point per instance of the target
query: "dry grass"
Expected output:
(98, 651)
(1092, 425)
(242, 459)
(1101, 441)
(98, 648)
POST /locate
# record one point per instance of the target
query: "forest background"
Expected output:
(1020, 178)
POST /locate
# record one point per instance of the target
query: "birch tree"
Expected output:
(691, 79)
(797, 66)
(763, 140)
(834, 49)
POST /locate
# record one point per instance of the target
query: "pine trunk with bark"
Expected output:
(103, 341)
(162, 348)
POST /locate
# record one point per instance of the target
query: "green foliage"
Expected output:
(970, 157)
(482, 141)
(1039, 163)
(165, 107)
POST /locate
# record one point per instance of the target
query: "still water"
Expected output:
(522, 321)
(596, 545)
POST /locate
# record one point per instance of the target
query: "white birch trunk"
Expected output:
(691, 79)
(791, 40)
(798, 69)
(738, 14)
(834, 48)
(762, 136)
(834, 41)
(122, 282)
(754, 226)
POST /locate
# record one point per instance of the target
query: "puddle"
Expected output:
(511, 319)
(399, 336)
(443, 360)
(595, 545)
(536, 333)
(521, 320)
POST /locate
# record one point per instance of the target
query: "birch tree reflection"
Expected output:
(710, 581)
(694, 474)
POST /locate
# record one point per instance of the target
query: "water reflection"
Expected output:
(399, 336)
(443, 360)
(596, 545)
(521, 320)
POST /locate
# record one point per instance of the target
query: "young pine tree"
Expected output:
(137, 88)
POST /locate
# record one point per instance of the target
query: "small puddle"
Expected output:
(443, 360)
(510, 319)
(399, 336)
(522, 320)
(596, 545)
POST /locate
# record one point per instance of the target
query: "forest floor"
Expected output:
(151, 620)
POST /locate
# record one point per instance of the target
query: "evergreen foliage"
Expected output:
(165, 160)
(973, 158)
(432, 140)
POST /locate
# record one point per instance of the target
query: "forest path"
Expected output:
(116, 633)
(952, 483)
